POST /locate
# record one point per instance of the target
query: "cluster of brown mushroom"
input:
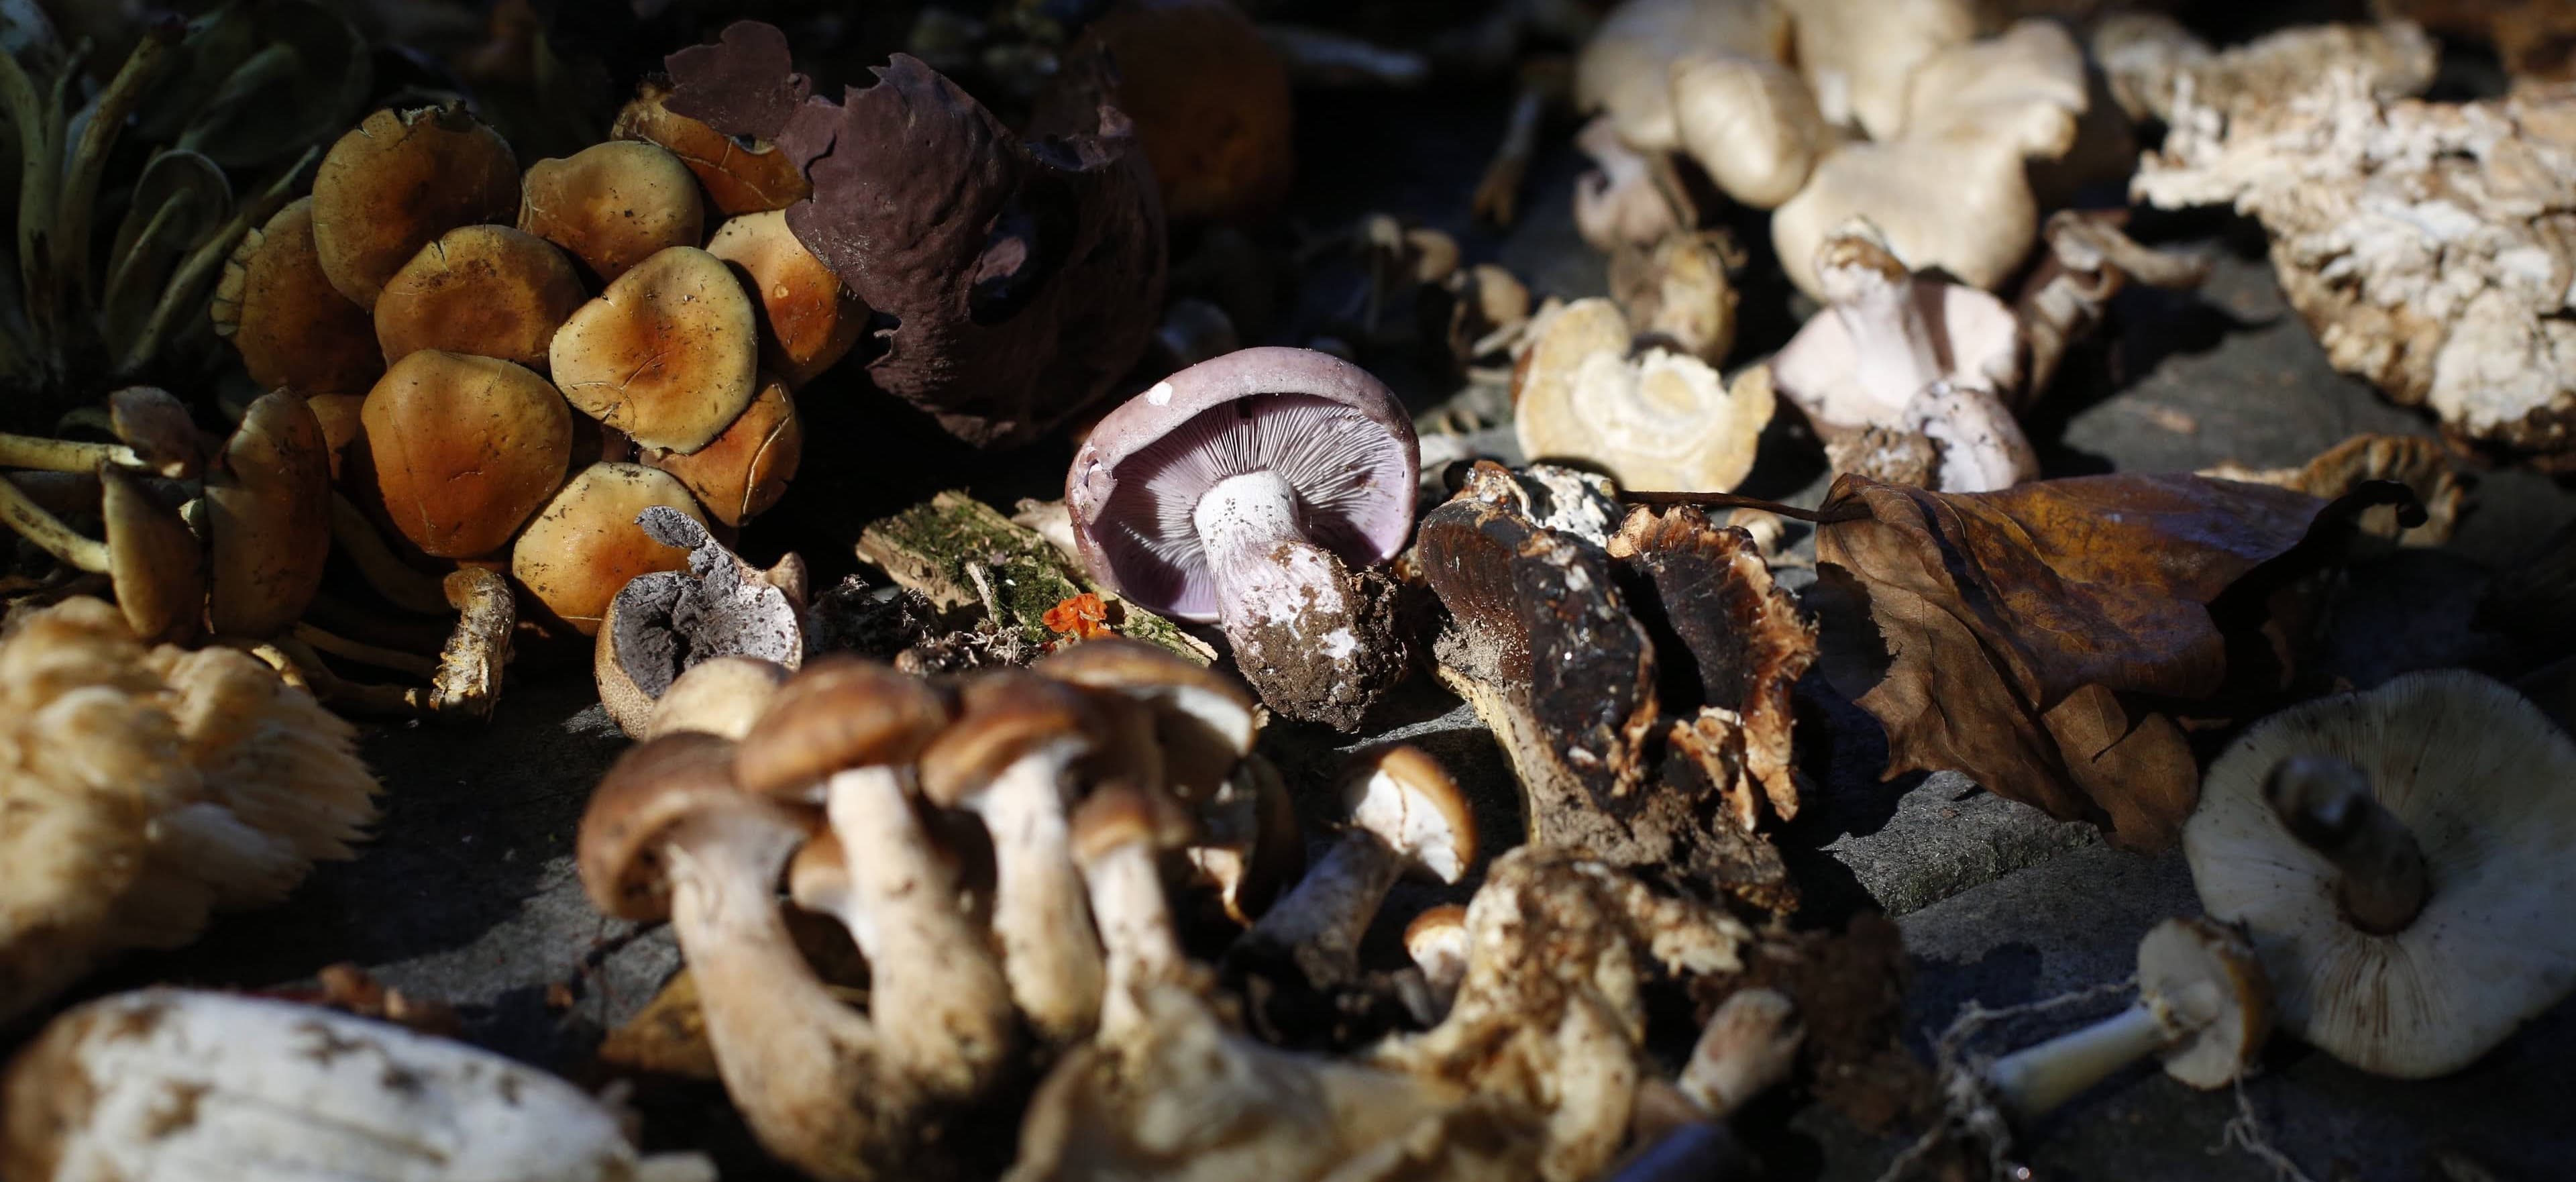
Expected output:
(1019, 857)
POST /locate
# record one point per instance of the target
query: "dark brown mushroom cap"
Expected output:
(613, 204)
(653, 788)
(463, 449)
(1004, 717)
(396, 182)
(293, 329)
(668, 354)
(1333, 432)
(839, 712)
(746, 469)
(268, 512)
(486, 290)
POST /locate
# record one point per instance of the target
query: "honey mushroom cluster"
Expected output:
(444, 316)
(1115, 787)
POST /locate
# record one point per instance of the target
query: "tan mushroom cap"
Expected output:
(1858, 55)
(654, 788)
(156, 565)
(668, 354)
(613, 204)
(463, 449)
(808, 320)
(746, 469)
(1204, 720)
(1437, 940)
(739, 178)
(1003, 717)
(343, 426)
(1665, 422)
(1112, 817)
(584, 545)
(839, 712)
(1403, 795)
(487, 290)
(2479, 777)
(159, 429)
(396, 182)
(268, 510)
(293, 329)
(722, 696)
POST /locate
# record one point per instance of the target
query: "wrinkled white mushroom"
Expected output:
(1751, 123)
(170, 1085)
(1625, 69)
(1859, 56)
(1663, 421)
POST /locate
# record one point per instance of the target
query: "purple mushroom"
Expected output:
(1243, 490)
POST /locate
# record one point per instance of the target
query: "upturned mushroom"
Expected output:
(1661, 422)
(584, 546)
(1008, 759)
(282, 1089)
(1243, 490)
(463, 449)
(613, 204)
(1404, 816)
(2203, 1008)
(396, 182)
(2395, 856)
(292, 328)
(844, 733)
(662, 624)
(667, 354)
(808, 320)
(486, 290)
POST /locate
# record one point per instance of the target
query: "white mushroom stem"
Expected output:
(803, 1068)
(2035, 1080)
(21, 513)
(1049, 952)
(1241, 522)
(1895, 354)
(2328, 805)
(63, 455)
(1323, 920)
(1750, 1043)
(1136, 929)
(950, 1009)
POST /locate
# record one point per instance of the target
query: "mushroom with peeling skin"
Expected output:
(486, 290)
(2396, 857)
(662, 623)
(2204, 1008)
(396, 182)
(169, 1085)
(584, 546)
(666, 355)
(463, 449)
(1405, 816)
(1237, 490)
(613, 204)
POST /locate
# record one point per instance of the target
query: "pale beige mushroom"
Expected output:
(1751, 123)
(1860, 56)
(1663, 422)
(613, 204)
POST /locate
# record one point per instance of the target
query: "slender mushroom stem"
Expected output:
(1323, 919)
(360, 651)
(63, 455)
(2328, 804)
(38, 159)
(1050, 954)
(21, 513)
(1115, 847)
(2035, 1080)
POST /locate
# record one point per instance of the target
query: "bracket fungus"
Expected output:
(663, 623)
(1661, 421)
(396, 182)
(1245, 490)
(166, 1085)
(2203, 1008)
(667, 354)
(2395, 856)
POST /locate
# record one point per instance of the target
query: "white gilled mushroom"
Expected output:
(2204, 1008)
(1243, 490)
(1663, 422)
(1009, 758)
(1951, 190)
(170, 1085)
(2400, 860)
(1406, 815)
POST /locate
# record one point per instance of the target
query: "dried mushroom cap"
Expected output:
(1209, 96)
(613, 204)
(584, 546)
(2397, 857)
(721, 696)
(1333, 434)
(1750, 123)
(293, 329)
(486, 290)
(1664, 422)
(268, 512)
(463, 449)
(156, 565)
(1626, 67)
(666, 355)
(838, 712)
(396, 182)
(1860, 55)
(662, 622)
(808, 320)
(739, 177)
(743, 471)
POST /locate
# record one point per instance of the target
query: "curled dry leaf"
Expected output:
(1021, 277)
(2050, 639)
(2418, 463)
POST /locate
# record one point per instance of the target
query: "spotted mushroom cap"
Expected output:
(2487, 786)
(1332, 431)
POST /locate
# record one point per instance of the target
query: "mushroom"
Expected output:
(486, 290)
(808, 320)
(1861, 56)
(613, 204)
(1912, 357)
(468, 681)
(1749, 1044)
(268, 518)
(1248, 847)
(1204, 721)
(1623, 200)
(293, 329)
(843, 732)
(1664, 422)
(1627, 66)
(2395, 856)
(1405, 815)
(667, 834)
(584, 546)
(666, 354)
(1978, 112)
(741, 175)
(1437, 942)
(745, 470)
(1676, 293)
(156, 567)
(1750, 123)
(463, 449)
(160, 431)
(721, 696)
(396, 182)
(2203, 1007)
(1236, 490)
(1009, 759)
(2089, 262)
(1115, 832)
(664, 622)
(163, 1085)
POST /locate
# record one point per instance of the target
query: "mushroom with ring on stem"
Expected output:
(1242, 490)
(1406, 815)
(2204, 1008)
